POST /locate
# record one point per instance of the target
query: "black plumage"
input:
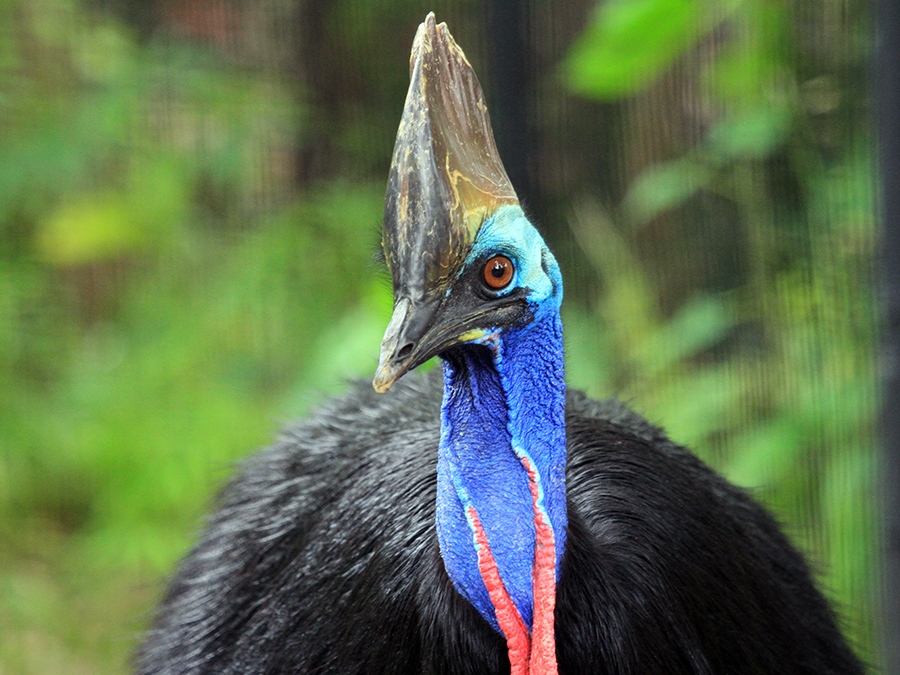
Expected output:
(322, 558)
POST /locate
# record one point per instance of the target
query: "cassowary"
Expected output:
(485, 521)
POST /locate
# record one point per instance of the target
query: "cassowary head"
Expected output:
(464, 261)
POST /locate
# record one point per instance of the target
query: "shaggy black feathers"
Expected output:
(323, 558)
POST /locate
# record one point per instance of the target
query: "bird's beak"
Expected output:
(391, 362)
(409, 341)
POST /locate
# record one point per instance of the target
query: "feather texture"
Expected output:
(323, 558)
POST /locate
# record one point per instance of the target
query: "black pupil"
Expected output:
(499, 270)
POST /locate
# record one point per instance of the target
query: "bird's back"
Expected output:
(678, 570)
(322, 557)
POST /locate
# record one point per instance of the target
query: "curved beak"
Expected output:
(391, 362)
(418, 332)
(409, 341)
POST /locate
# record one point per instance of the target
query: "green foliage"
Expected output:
(164, 304)
(792, 417)
(630, 42)
(773, 380)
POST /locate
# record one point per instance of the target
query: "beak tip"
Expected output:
(385, 377)
(380, 386)
(389, 371)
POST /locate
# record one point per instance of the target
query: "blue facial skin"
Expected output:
(502, 402)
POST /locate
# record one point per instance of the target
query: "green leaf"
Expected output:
(694, 406)
(629, 43)
(587, 352)
(665, 186)
(766, 452)
(700, 324)
(94, 227)
(753, 134)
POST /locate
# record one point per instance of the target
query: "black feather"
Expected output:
(322, 558)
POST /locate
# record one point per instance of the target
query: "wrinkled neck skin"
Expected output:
(501, 506)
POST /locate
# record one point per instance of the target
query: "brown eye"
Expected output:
(498, 272)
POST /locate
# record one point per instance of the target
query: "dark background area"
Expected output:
(190, 204)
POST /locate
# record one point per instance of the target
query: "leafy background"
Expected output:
(190, 200)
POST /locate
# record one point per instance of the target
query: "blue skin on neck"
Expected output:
(504, 399)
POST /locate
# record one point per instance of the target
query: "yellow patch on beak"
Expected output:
(475, 334)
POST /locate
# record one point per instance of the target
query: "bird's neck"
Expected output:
(501, 506)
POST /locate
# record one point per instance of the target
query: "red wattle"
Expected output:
(543, 644)
(518, 642)
(533, 654)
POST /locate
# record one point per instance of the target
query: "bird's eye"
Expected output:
(498, 272)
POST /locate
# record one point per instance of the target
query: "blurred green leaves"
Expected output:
(95, 227)
(754, 134)
(630, 42)
(773, 378)
(747, 79)
(167, 299)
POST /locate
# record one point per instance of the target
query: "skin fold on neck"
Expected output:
(501, 509)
